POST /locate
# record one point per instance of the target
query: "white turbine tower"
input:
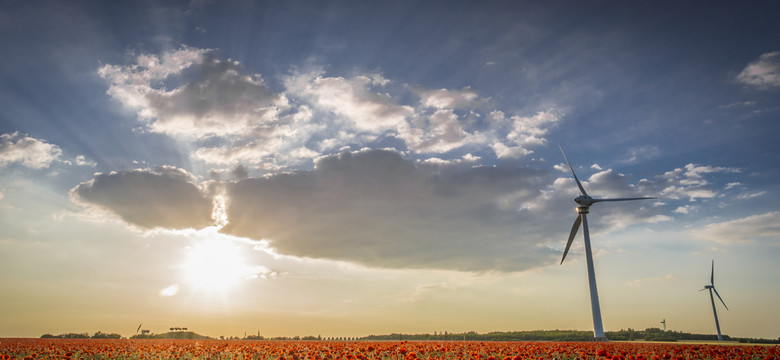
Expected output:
(711, 288)
(585, 201)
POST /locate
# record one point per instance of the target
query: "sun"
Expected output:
(215, 265)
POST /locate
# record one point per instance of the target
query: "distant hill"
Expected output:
(173, 335)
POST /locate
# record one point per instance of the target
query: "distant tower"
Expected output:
(664, 322)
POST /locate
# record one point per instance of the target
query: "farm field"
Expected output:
(27, 349)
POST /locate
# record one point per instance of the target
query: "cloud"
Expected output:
(751, 195)
(690, 182)
(762, 73)
(30, 152)
(167, 197)
(651, 280)
(355, 99)
(523, 132)
(685, 209)
(447, 99)
(732, 185)
(214, 97)
(232, 117)
(606, 184)
(378, 209)
(763, 227)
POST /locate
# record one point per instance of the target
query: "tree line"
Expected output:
(97, 335)
(649, 334)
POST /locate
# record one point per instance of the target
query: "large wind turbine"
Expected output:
(711, 288)
(585, 201)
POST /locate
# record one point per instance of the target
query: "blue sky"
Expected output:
(345, 168)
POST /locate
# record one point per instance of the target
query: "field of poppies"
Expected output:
(28, 349)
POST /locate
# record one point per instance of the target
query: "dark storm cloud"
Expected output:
(378, 209)
(165, 198)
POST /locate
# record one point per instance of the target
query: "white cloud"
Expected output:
(562, 167)
(193, 96)
(448, 99)
(732, 185)
(354, 99)
(82, 161)
(525, 132)
(763, 227)
(438, 133)
(30, 152)
(658, 218)
(685, 209)
(751, 195)
(689, 182)
(762, 73)
(215, 97)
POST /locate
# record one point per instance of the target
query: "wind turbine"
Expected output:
(585, 201)
(711, 288)
(664, 322)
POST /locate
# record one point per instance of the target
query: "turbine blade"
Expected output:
(719, 298)
(573, 233)
(623, 199)
(702, 289)
(712, 274)
(579, 185)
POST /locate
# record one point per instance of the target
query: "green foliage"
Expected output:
(172, 335)
(66, 336)
(102, 335)
(97, 335)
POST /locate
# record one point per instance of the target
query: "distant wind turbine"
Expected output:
(711, 288)
(664, 322)
(585, 201)
(139, 328)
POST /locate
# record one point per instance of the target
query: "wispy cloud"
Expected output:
(651, 280)
(751, 195)
(763, 227)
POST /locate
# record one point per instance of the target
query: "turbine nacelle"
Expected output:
(585, 200)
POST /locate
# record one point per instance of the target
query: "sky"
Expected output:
(347, 168)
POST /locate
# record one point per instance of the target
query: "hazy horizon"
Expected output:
(353, 167)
